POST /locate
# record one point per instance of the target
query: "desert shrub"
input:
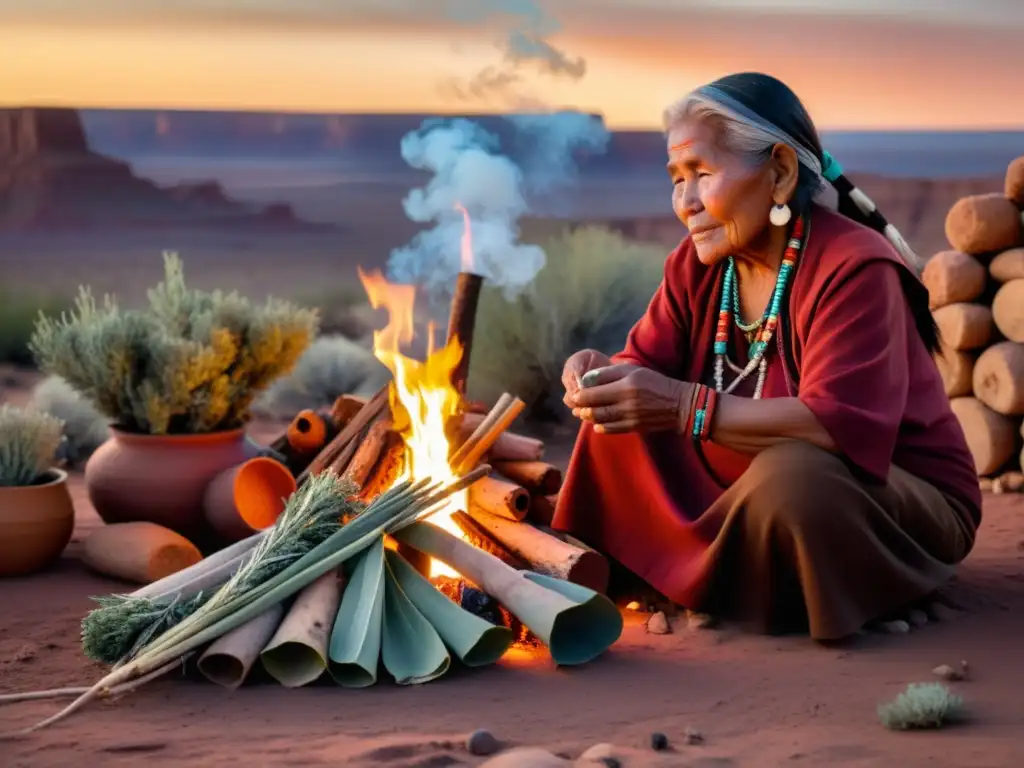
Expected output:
(594, 287)
(331, 367)
(28, 444)
(192, 362)
(85, 429)
(344, 311)
(17, 319)
(921, 705)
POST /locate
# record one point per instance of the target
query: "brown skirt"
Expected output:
(796, 543)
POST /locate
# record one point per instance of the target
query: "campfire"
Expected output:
(422, 426)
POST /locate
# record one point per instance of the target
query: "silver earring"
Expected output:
(780, 215)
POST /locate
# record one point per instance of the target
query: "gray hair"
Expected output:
(751, 137)
(747, 134)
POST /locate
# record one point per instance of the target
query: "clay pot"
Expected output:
(247, 498)
(36, 522)
(162, 479)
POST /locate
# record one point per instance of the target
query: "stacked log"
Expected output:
(976, 293)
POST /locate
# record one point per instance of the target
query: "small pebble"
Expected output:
(997, 486)
(946, 672)
(657, 624)
(696, 620)
(896, 627)
(526, 757)
(659, 741)
(917, 618)
(1013, 482)
(482, 743)
(693, 736)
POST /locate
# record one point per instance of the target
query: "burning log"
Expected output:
(368, 453)
(345, 409)
(462, 321)
(344, 444)
(476, 535)
(542, 509)
(547, 554)
(388, 468)
(537, 477)
(499, 497)
(509, 446)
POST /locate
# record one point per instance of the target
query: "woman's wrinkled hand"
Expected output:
(576, 367)
(628, 398)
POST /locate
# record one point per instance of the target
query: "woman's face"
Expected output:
(722, 200)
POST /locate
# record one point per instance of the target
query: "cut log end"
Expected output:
(980, 224)
(1008, 310)
(991, 437)
(957, 371)
(998, 378)
(964, 326)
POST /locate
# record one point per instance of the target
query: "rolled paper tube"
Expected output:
(476, 453)
(537, 477)
(411, 649)
(297, 653)
(509, 446)
(247, 498)
(462, 321)
(475, 641)
(576, 623)
(354, 651)
(307, 433)
(229, 658)
(545, 553)
(499, 497)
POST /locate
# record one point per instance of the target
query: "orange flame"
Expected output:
(466, 244)
(423, 400)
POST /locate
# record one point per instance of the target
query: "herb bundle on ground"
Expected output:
(191, 362)
(123, 624)
(389, 512)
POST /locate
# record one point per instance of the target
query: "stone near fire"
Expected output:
(693, 736)
(947, 672)
(482, 743)
(659, 741)
(658, 624)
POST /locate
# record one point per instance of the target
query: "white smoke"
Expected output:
(468, 170)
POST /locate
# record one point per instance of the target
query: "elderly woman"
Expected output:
(774, 444)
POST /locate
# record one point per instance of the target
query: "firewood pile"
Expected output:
(976, 293)
(509, 512)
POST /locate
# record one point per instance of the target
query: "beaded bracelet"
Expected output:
(703, 413)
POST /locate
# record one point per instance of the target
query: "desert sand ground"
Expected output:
(757, 701)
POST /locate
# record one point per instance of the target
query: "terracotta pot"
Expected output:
(247, 498)
(36, 522)
(161, 479)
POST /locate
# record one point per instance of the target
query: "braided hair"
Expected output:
(755, 112)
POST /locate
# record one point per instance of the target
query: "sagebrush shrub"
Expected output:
(192, 362)
(921, 705)
(85, 429)
(331, 367)
(593, 288)
(18, 315)
(28, 444)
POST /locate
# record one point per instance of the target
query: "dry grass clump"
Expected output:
(85, 429)
(28, 445)
(594, 287)
(192, 362)
(921, 705)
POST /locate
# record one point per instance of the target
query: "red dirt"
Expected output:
(758, 701)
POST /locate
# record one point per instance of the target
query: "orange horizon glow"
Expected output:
(935, 78)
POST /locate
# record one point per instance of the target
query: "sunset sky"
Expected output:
(856, 63)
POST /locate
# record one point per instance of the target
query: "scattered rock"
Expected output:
(482, 743)
(693, 736)
(917, 618)
(1013, 482)
(25, 653)
(997, 486)
(657, 624)
(526, 757)
(659, 741)
(946, 672)
(895, 627)
(965, 670)
(696, 620)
